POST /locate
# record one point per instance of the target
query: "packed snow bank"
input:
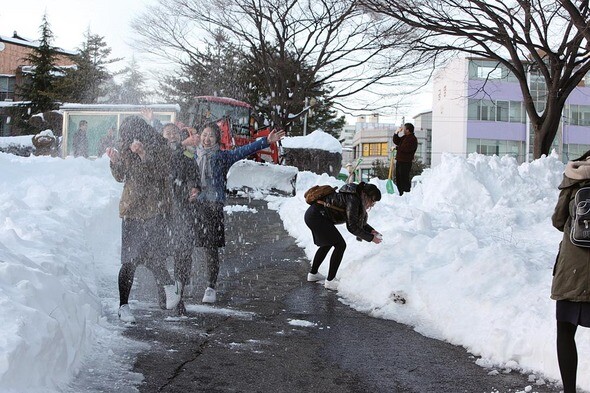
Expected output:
(315, 140)
(471, 248)
(50, 270)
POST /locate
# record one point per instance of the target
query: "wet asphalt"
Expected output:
(271, 331)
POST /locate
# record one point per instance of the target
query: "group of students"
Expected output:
(172, 201)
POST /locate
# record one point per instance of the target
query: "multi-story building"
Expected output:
(14, 69)
(478, 107)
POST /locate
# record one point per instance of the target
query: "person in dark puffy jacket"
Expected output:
(571, 274)
(347, 206)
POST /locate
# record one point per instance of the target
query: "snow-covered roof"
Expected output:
(118, 107)
(33, 44)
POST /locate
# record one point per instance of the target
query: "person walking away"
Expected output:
(80, 142)
(184, 180)
(571, 274)
(406, 145)
(142, 163)
(347, 206)
(214, 164)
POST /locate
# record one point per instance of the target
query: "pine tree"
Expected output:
(132, 89)
(87, 83)
(39, 89)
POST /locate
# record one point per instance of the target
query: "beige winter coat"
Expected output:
(146, 192)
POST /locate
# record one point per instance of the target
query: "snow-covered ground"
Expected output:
(471, 248)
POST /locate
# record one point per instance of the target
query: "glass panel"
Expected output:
(98, 127)
(516, 112)
(502, 110)
(472, 109)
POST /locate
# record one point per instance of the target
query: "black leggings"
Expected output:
(567, 355)
(212, 262)
(127, 272)
(335, 259)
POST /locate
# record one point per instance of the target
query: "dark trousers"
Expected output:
(143, 243)
(326, 236)
(402, 176)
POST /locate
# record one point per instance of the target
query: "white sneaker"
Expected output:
(315, 277)
(331, 285)
(209, 296)
(125, 314)
(172, 294)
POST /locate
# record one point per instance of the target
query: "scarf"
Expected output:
(204, 162)
(578, 170)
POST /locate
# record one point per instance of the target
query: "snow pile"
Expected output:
(471, 248)
(315, 140)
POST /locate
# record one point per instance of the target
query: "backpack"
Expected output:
(580, 218)
(318, 192)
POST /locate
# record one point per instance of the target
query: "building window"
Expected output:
(490, 70)
(374, 149)
(487, 110)
(7, 87)
(496, 147)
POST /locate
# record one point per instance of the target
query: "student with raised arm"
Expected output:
(214, 164)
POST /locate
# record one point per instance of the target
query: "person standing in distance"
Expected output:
(406, 144)
(80, 142)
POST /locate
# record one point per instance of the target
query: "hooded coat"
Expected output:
(571, 273)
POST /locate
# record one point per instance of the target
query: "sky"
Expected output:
(471, 248)
(70, 19)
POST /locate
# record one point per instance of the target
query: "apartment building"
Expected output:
(478, 107)
(14, 70)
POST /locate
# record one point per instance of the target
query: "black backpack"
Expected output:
(580, 218)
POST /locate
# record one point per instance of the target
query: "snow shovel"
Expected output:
(389, 184)
(354, 169)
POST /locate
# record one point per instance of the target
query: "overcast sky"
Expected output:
(69, 20)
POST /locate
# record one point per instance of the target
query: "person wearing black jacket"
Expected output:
(349, 205)
(406, 146)
(184, 179)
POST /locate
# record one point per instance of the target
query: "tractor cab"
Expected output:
(237, 121)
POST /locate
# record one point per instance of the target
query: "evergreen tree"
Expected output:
(132, 89)
(87, 83)
(216, 71)
(39, 87)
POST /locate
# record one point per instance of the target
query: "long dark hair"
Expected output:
(583, 157)
(216, 130)
(371, 191)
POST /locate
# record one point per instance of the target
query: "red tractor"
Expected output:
(238, 123)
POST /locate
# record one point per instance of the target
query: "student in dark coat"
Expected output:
(406, 146)
(214, 164)
(347, 206)
(184, 180)
(571, 274)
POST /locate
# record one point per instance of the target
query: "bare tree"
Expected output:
(524, 35)
(340, 43)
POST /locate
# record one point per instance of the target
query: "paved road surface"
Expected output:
(271, 331)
